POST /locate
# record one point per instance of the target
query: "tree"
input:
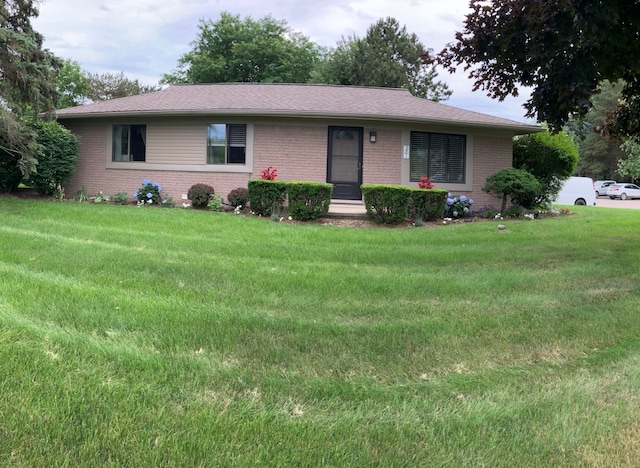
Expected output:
(631, 165)
(516, 183)
(26, 83)
(561, 49)
(550, 158)
(104, 86)
(389, 57)
(231, 50)
(72, 84)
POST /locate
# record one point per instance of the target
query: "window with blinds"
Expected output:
(226, 143)
(439, 156)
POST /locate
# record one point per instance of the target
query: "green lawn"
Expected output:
(149, 337)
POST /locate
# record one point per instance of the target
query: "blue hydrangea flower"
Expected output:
(463, 198)
(155, 184)
(149, 195)
(135, 195)
(159, 189)
(145, 182)
(470, 201)
(449, 201)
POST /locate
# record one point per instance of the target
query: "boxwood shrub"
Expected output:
(387, 204)
(199, 194)
(308, 200)
(266, 197)
(428, 205)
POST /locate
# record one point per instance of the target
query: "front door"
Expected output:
(344, 162)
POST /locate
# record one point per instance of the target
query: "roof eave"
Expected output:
(516, 129)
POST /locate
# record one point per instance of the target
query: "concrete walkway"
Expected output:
(347, 209)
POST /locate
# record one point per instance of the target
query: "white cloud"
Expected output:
(145, 39)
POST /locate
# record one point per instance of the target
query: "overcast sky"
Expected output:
(145, 38)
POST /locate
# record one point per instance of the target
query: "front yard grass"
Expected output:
(148, 337)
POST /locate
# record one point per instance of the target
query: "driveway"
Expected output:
(607, 202)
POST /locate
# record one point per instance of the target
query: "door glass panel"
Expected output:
(344, 156)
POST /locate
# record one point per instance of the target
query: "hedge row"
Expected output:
(306, 200)
(391, 204)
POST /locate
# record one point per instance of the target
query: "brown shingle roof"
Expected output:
(292, 100)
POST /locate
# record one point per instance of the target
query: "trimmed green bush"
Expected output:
(266, 196)
(387, 204)
(58, 151)
(308, 200)
(428, 205)
(200, 194)
(238, 197)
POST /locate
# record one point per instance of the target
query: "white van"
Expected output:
(577, 191)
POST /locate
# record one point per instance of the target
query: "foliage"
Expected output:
(427, 205)
(308, 200)
(516, 183)
(58, 151)
(238, 197)
(266, 196)
(81, 195)
(99, 198)
(148, 194)
(199, 194)
(388, 56)
(488, 212)
(233, 50)
(599, 153)
(551, 158)
(26, 85)
(120, 198)
(105, 86)
(561, 49)
(630, 167)
(387, 204)
(270, 173)
(215, 203)
(459, 206)
(72, 84)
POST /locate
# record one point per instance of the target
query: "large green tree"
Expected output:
(388, 56)
(234, 50)
(550, 158)
(561, 49)
(26, 83)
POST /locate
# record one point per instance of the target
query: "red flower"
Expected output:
(425, 183)
(269, 173)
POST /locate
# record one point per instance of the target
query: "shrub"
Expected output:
(148, 194)
(10, 175)
(120, 198)
(387, 204)
(214, 203)
(308, 200)
(459, 206)
(488, 212)
(57, 155)
(238, 197)
(517, 183)
(199, 194)
(427, 205)
(266, 196)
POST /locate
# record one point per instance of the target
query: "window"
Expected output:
(226, 144)
(129, 143)
(439, 156)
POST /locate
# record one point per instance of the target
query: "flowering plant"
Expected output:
(459, 206)
(148, 194)
(269, 173)
(425, 183)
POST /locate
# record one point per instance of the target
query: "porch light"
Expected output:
(372, 137)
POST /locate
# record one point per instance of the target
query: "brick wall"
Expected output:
(381, 162)
(490, 154)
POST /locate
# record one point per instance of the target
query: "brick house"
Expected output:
(225, 134)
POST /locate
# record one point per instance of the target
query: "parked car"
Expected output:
(601, 187)
(577, 191)
(623, 191)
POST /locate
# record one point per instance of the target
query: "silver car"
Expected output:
(602, 186)
(623, 191)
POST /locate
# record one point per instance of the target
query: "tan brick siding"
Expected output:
(299, 152)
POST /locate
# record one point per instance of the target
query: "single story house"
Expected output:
(226, 134)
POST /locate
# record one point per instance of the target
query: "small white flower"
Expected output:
(185, 205)
(289, 218)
